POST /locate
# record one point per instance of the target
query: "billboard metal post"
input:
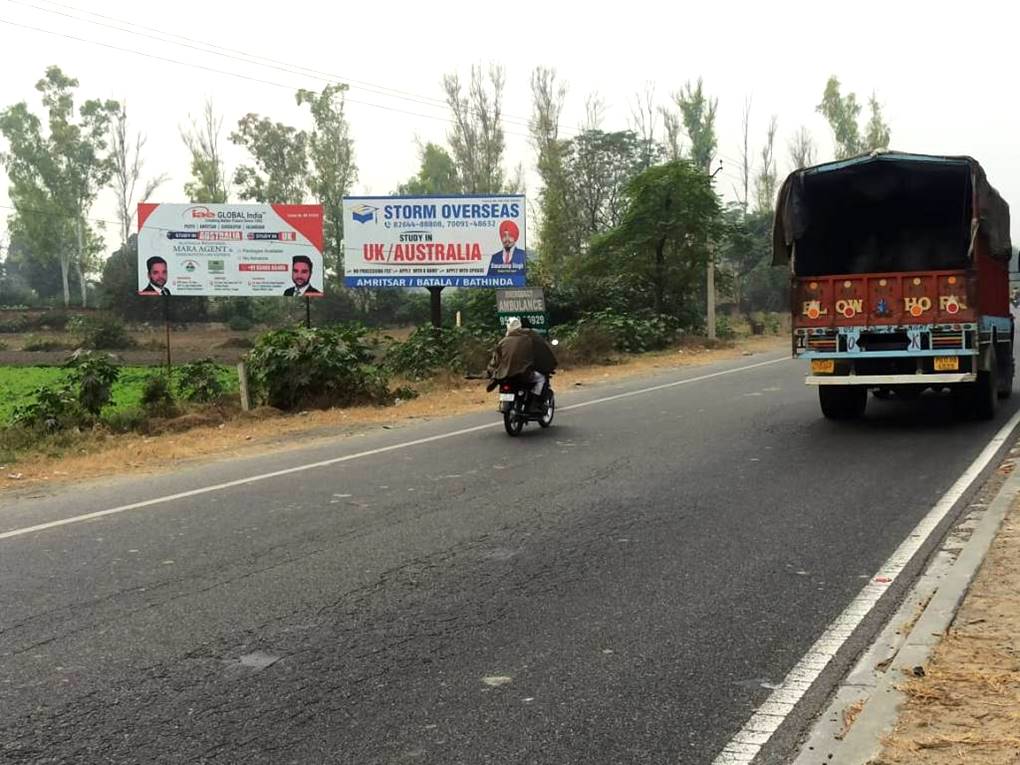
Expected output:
(436, 306)
(166, 321)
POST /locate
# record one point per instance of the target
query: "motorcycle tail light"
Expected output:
(504, 388)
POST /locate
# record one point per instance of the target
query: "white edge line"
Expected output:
(347, 458)
(738, 751)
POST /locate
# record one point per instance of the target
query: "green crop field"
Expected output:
(17, 384)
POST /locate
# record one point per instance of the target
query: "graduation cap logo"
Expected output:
(364, 213)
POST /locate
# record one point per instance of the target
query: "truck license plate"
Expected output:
(947, 363)
(823, 366)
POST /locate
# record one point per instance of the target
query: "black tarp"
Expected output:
(886, 212)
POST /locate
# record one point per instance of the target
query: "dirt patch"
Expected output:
(267, 429)
(966, 707)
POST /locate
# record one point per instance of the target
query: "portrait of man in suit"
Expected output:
(156, 267)
(511, 258)
(301, 275)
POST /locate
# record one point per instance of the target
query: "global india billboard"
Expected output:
(459, 241)
(254, 250)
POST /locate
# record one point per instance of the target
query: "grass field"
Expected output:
(18, 383)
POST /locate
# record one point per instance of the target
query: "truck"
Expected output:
(899, 270)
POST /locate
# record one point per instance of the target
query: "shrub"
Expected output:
(200, 381)
(724, 329)
(240, 323)
(127, 420)
(92, 376)
(315, 367)
(105, 333)
(51, 407)
(635, 333)
(34, 346)
(429, 350)
(14, 325)
(157, 397)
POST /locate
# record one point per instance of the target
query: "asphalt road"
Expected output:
(621, 588)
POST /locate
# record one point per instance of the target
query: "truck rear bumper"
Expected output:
(926, 379)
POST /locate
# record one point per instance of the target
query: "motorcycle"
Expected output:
(519, 405)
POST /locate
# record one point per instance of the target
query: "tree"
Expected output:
(598, 166)
(743, 194)
(548, 98)
(802, 149)
(842, 113)
(697, 112)
(765, 181)
(476, 140)
(331, 151)
(436, 175)
(280, 172)
(208, 182)
(744, 249)
(644, 123)
(126, 157)
(58, 176)
(673, 127)
(878, 133)
(671, 212)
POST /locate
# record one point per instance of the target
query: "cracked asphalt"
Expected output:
(622, 588)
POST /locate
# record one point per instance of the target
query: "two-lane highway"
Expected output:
(626, 586)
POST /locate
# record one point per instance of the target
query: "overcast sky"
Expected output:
(942, 71)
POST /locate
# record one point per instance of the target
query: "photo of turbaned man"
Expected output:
(511, 259)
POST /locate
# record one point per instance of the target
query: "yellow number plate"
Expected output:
(823, 366)
(947, 363)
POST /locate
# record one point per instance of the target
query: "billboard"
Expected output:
(252, 250)
(460, 241)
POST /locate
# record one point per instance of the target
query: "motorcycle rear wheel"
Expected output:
(513, 423)
(546, 419)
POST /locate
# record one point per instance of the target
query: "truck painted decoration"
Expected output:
(899, 268)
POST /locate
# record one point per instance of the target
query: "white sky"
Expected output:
(943, 71)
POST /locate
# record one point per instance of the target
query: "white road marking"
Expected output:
(350, 457)
(746, 745)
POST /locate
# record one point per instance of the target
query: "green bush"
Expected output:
(429, 350)
(54, 320)
(724, 328)
(127, 420)
(52, 407)
(92, 377)
(315, 368)
(14, 325)
(35, 346)
(105, 333)
(240, 323)
(158, 398)
(632, 333)
(200, 381)
(587, 344)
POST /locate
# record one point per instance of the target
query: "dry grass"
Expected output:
(966, 708)
(266, 429)
(850, 714)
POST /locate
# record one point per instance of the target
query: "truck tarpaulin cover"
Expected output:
(887, 212)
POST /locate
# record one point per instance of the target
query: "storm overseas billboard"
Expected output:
(473, 241)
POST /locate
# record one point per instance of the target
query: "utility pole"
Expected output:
(710, 287)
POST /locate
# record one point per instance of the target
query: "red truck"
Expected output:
(900, 280)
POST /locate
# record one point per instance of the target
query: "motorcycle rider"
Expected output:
(523, 352)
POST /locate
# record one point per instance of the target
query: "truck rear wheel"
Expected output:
(843, 402)
(985, 393)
